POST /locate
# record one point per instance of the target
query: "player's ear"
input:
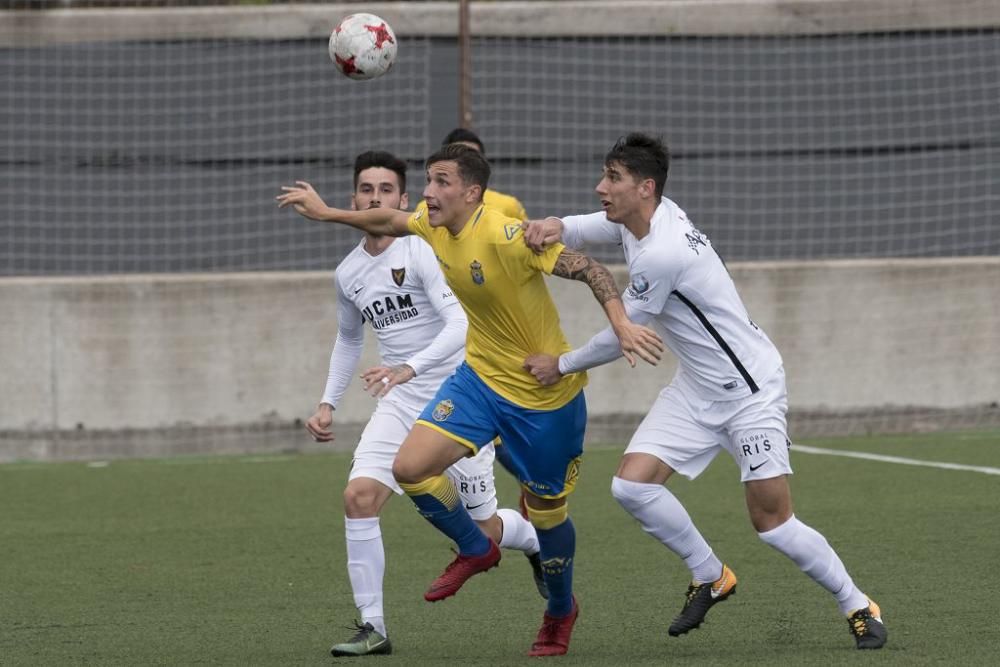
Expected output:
(404, 201)
(474, 193)
(354, 204)
(647, 188)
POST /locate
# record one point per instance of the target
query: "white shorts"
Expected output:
(380, 441)
(686, 432)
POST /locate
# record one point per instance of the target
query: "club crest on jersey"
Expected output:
(398, 276)
(638, 285)
(477, 272)
(443, 410)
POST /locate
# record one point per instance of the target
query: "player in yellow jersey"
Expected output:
(507, 204)
(499, 281)
(510, 206)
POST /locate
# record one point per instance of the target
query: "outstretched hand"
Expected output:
(380, 379)
(641, 341)
(304, 199)
(544, 367)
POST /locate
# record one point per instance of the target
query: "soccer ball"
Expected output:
(363, 46)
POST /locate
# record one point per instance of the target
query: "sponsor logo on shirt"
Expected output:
(638, 287)
(511, 231)
(389, 310)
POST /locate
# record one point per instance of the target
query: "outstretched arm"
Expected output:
(573, 231)
(635, 339)
(307, 203)
(601, 349)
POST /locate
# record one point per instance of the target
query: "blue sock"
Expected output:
(558, 547)
(438, 502)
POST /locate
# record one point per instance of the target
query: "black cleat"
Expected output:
(700, 598)
(366, 642)
(536, 572)
(867, 628)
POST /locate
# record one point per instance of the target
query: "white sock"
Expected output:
(661, 515)
(814, 556)
(518, 533)
(366, 568)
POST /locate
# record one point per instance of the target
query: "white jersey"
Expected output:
(401, 293)
(677, 279)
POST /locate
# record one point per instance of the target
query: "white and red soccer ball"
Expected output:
(363, 46)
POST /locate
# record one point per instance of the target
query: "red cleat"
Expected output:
(461, 570)
(553, 638)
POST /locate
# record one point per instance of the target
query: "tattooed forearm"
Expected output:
(577, 266)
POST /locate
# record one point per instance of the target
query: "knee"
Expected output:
(631, 495)
(769, 503)
(620, 489)
(360, 502)
(405, 472)
(765, 521)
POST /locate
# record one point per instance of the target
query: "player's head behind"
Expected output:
(457, 177)
(635, 170)
(461, 135)
(379, 181)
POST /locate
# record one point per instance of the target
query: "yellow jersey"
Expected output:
(499, 281)
(504, 203)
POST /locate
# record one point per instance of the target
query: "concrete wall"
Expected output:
(501, 17)
(136, 359)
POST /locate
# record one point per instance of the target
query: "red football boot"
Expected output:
(553, 638)
(461, 570)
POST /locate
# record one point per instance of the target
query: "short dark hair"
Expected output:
(461, 134)
(644, 156)
(384, 159)
(472, 166)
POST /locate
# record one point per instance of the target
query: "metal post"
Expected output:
(464, 66)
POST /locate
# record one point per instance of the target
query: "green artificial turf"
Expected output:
(241, 561)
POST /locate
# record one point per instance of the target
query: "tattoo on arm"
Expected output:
(577, 266)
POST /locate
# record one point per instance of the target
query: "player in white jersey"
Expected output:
(729, 391)
(396, 287)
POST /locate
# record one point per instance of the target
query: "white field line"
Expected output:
(895, 459)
